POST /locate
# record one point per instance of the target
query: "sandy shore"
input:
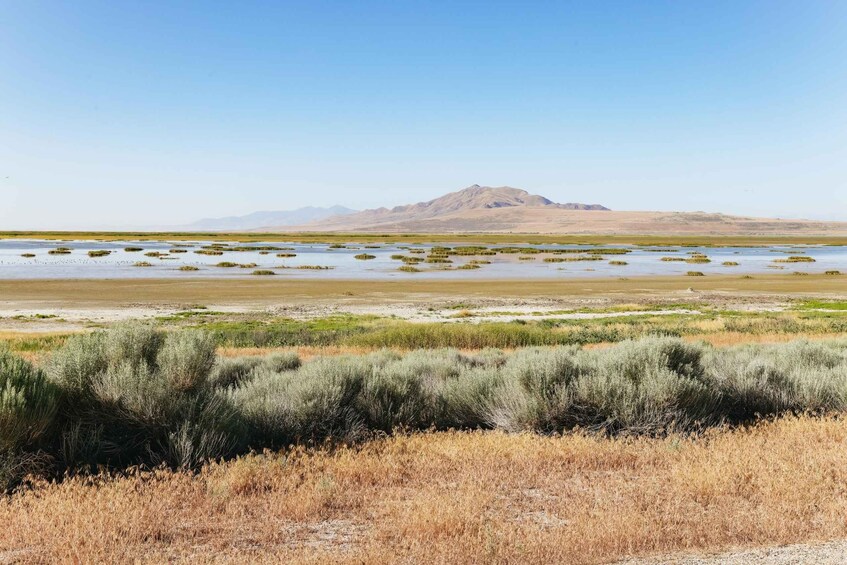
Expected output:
(48, 305)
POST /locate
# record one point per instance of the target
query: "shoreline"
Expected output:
(123, 291)
(715, 240)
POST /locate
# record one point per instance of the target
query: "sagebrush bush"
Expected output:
(28, 402)
(770, 379)
(135, 395)
(187, 358)
(235, 371)
(128, 391)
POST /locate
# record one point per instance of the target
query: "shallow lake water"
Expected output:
(640, 261)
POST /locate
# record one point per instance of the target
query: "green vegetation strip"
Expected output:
(810, 318)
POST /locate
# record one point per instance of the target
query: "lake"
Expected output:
(512, 261)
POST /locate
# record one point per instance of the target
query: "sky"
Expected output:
(130, 114)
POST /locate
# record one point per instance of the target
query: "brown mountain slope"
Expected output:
(505, 209)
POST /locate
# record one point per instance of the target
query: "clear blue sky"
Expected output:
(136, 113)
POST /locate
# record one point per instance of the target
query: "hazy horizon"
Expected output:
(159, 114)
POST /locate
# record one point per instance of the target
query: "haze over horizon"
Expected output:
(162, 114)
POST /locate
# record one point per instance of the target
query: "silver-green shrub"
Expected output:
(28, 402)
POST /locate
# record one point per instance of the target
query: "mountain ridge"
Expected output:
(268, 218)
(478, 209)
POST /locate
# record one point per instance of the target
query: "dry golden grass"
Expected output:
(304, 352)
(727, 339)
(455, 498)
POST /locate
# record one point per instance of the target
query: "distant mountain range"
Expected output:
(475, 208)
(265, 219)
(512, 210)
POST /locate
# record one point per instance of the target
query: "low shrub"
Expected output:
(135, 395)
(28, 402)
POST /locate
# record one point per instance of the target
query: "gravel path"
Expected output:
(830, 553)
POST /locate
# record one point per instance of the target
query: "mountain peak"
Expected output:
(476, 196)
(497, 205)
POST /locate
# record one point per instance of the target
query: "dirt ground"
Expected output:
(63, 305)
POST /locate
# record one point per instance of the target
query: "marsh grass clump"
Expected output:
(438, 260)
(226, 264)
(142, 264)
(796, 259)
(99, 253)
(255, 248)
(28, 255)
(673, 259)
(208, 252)
(408, 269)
(133, 249)
(187, 268)
(516, 250)
(177, 250)
(247, 265)
(468, 266)
(730, 263)
(572, 259)
(832, 272)
(466, 250)
(364, 257)
(695, 274)
(155, 254)
(618, 263)
(286, 255)
(263, 272)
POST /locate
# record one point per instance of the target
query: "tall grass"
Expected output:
(135, 395)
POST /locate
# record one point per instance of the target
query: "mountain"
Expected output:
(505, 209)
(474, 197)
(258, 220)
(450, 211)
